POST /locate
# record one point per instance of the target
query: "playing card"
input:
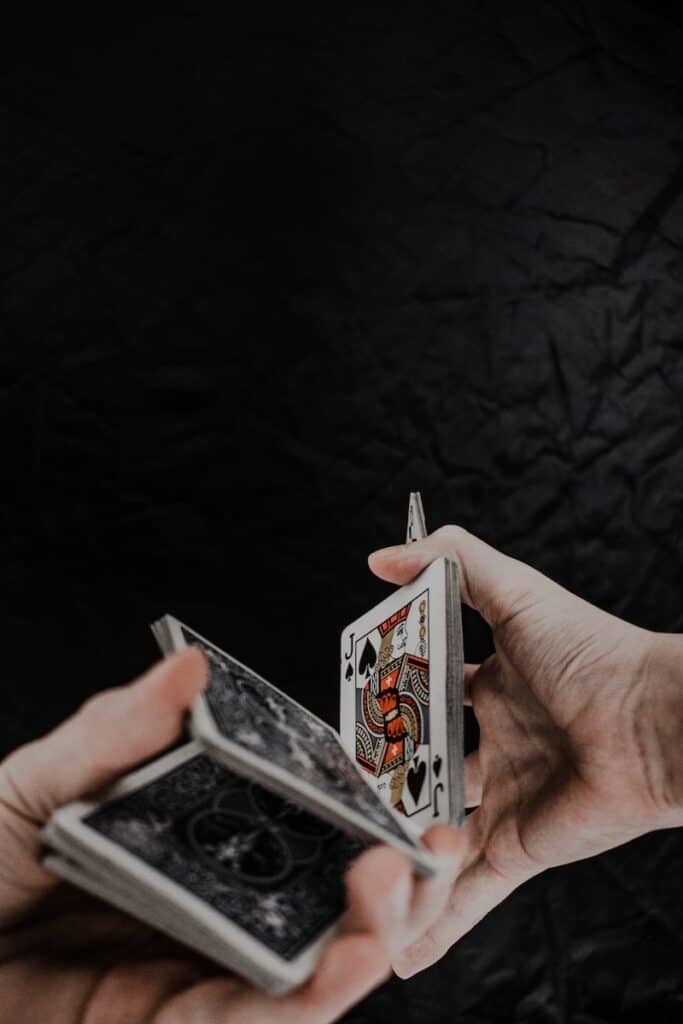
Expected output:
(402, 696)
(417, 526)
(236, 844)
(214, 860)
(135, 901)
(254, 728)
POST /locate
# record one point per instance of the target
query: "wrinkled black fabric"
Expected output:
(261, 275)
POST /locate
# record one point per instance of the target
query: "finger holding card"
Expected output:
(430, 895)
(205, 844)
(215, 860)
(237, 844)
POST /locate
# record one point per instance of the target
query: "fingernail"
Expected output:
(402, 967)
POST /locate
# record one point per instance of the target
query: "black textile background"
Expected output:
(261, 274)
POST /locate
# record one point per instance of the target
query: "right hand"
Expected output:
(581, 725)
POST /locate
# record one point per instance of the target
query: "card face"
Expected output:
(258, 730)
(392, 695)
(221, 848)
(401, 697)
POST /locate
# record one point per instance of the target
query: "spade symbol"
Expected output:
(437, 765)
(416, 778)
(349, 671)
(367, 658)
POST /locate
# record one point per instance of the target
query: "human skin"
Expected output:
(581, 731)
(581, 718)
(66, 958)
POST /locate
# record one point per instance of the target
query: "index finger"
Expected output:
(492, 583)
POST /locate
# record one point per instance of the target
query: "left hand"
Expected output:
(66, 957)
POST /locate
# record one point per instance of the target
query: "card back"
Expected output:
(258, 730)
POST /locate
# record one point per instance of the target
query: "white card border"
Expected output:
(70, 819)
(442, 574)
(287, 785)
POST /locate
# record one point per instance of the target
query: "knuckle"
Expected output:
(450, 533)
(12, 796)
(99, 706)
(97, 716)
(449, 542)
(92, 711)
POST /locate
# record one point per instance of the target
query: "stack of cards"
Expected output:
(236, 843)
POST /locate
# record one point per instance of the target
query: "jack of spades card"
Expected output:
(392, 706)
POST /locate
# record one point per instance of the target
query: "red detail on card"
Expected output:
(393, 620)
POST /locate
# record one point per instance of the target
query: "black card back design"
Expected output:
(270, 868)
(256, 716)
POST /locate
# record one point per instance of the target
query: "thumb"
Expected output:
(108, 735)
(491, 582)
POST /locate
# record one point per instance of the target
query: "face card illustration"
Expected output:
(400, 702)
(392, 705)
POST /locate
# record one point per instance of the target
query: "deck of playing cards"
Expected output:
(236, 843)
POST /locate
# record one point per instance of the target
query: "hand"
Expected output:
(580, 717)
(67, 958)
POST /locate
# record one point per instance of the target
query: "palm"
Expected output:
(541, 802)
(553, 749)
